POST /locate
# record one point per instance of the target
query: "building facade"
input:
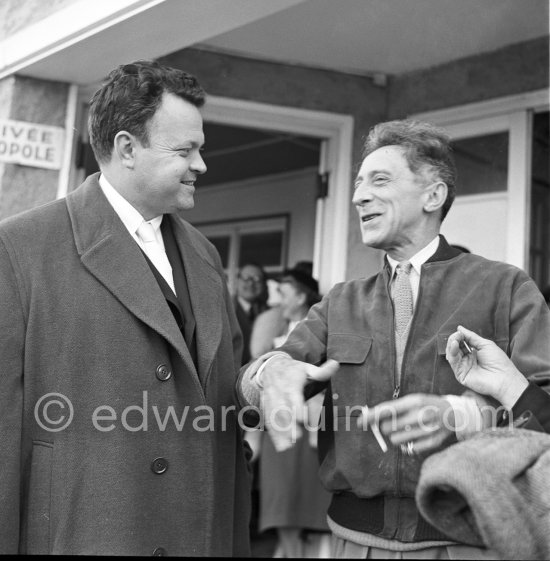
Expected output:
(283, 137)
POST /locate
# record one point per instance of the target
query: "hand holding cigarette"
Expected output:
(480, 365)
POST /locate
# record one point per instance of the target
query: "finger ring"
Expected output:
(408, 448)
(407, 428)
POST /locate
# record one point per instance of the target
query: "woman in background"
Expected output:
(292, 499)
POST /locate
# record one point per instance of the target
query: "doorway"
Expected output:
(257, 201)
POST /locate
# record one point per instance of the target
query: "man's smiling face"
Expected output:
(390, 200)
(168, 165)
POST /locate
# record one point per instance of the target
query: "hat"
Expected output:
(303, 278)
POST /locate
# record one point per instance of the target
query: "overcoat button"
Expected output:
(163, 372)
(159, 552)
(159, 465)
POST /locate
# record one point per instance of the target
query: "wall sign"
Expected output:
(31, 144)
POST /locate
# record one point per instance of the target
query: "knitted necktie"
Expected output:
(155, 252)
(402, 297)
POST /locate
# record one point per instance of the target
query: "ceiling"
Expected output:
(386, 36)
(84, 41)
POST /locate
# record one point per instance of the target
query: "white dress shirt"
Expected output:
(245, 304)
(131, 218)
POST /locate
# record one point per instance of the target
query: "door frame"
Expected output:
(332, 212)
(513, 114)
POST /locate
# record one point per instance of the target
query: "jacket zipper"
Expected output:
(397, 383)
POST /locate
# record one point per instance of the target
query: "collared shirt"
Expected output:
(245, 304)
(131, 218)
(417, 260)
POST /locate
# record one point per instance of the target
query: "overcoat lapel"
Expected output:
(205, 289)
(108, 251)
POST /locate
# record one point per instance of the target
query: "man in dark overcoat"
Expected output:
(119, 347)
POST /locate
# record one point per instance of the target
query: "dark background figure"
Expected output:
(250, 300)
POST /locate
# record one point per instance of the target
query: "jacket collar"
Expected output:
(444, 252)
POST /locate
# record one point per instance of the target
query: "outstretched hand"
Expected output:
(283, 405)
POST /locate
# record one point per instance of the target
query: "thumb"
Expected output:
(324, 372)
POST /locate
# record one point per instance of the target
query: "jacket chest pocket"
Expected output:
(349, 384)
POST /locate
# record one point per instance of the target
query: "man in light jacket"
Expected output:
(388, 334)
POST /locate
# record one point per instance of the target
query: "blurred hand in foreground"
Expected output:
(419, 423)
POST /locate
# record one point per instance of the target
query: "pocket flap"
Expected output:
(348, 348)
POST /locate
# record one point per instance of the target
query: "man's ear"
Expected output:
(124, 148)
(436, 195)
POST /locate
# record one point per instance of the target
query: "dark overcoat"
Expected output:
(111, 440)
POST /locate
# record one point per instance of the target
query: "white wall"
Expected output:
(291, 193)
(479, 223)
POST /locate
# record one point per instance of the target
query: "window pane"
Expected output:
(222, 245)
(265, 248)
(482, 163)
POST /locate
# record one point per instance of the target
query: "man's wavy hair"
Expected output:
(427, 150)
(129, 98)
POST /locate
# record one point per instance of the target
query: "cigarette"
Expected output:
(465, 346)
(379, 437)
(376, 431)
